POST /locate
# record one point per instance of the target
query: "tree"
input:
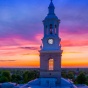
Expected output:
(0, 72)
(7, 75)
(13, 77)
(30, 75)
(70, 75)
(64, 74)
(87, 80)
(25, 76)
(19, 77)
(81, 79)
(3, 79)
(16, 78)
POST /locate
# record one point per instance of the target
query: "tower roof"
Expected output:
(51, 5)
(51, 14)
(51, 8)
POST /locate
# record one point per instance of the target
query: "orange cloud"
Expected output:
(25, 53)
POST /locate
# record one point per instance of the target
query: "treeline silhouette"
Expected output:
(24, 76)
(18, 77)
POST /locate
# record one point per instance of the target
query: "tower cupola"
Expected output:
(51, 22)
(51, 39)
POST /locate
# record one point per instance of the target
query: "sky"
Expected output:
(21, 31)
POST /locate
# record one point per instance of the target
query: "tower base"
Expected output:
(51, 74)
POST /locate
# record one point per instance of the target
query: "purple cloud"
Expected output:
(21, 19)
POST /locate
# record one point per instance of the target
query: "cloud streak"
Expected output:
(7, 60)
(29, 48)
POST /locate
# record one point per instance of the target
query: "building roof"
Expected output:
(48, 82)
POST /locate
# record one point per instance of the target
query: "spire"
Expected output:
(51, 8)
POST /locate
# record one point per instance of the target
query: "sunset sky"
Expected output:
(21, 31)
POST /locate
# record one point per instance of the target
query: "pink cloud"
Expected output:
(74, 43)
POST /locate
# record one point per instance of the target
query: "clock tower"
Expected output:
(51, 47)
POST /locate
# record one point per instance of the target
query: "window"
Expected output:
(55, 29)
(51, 64)
(50, 28)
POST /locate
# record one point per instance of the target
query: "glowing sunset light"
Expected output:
(21, 31)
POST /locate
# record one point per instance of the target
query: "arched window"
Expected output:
(50, 28)
(51, 64)
(55, 29)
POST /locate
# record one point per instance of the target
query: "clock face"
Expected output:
(50, 41)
